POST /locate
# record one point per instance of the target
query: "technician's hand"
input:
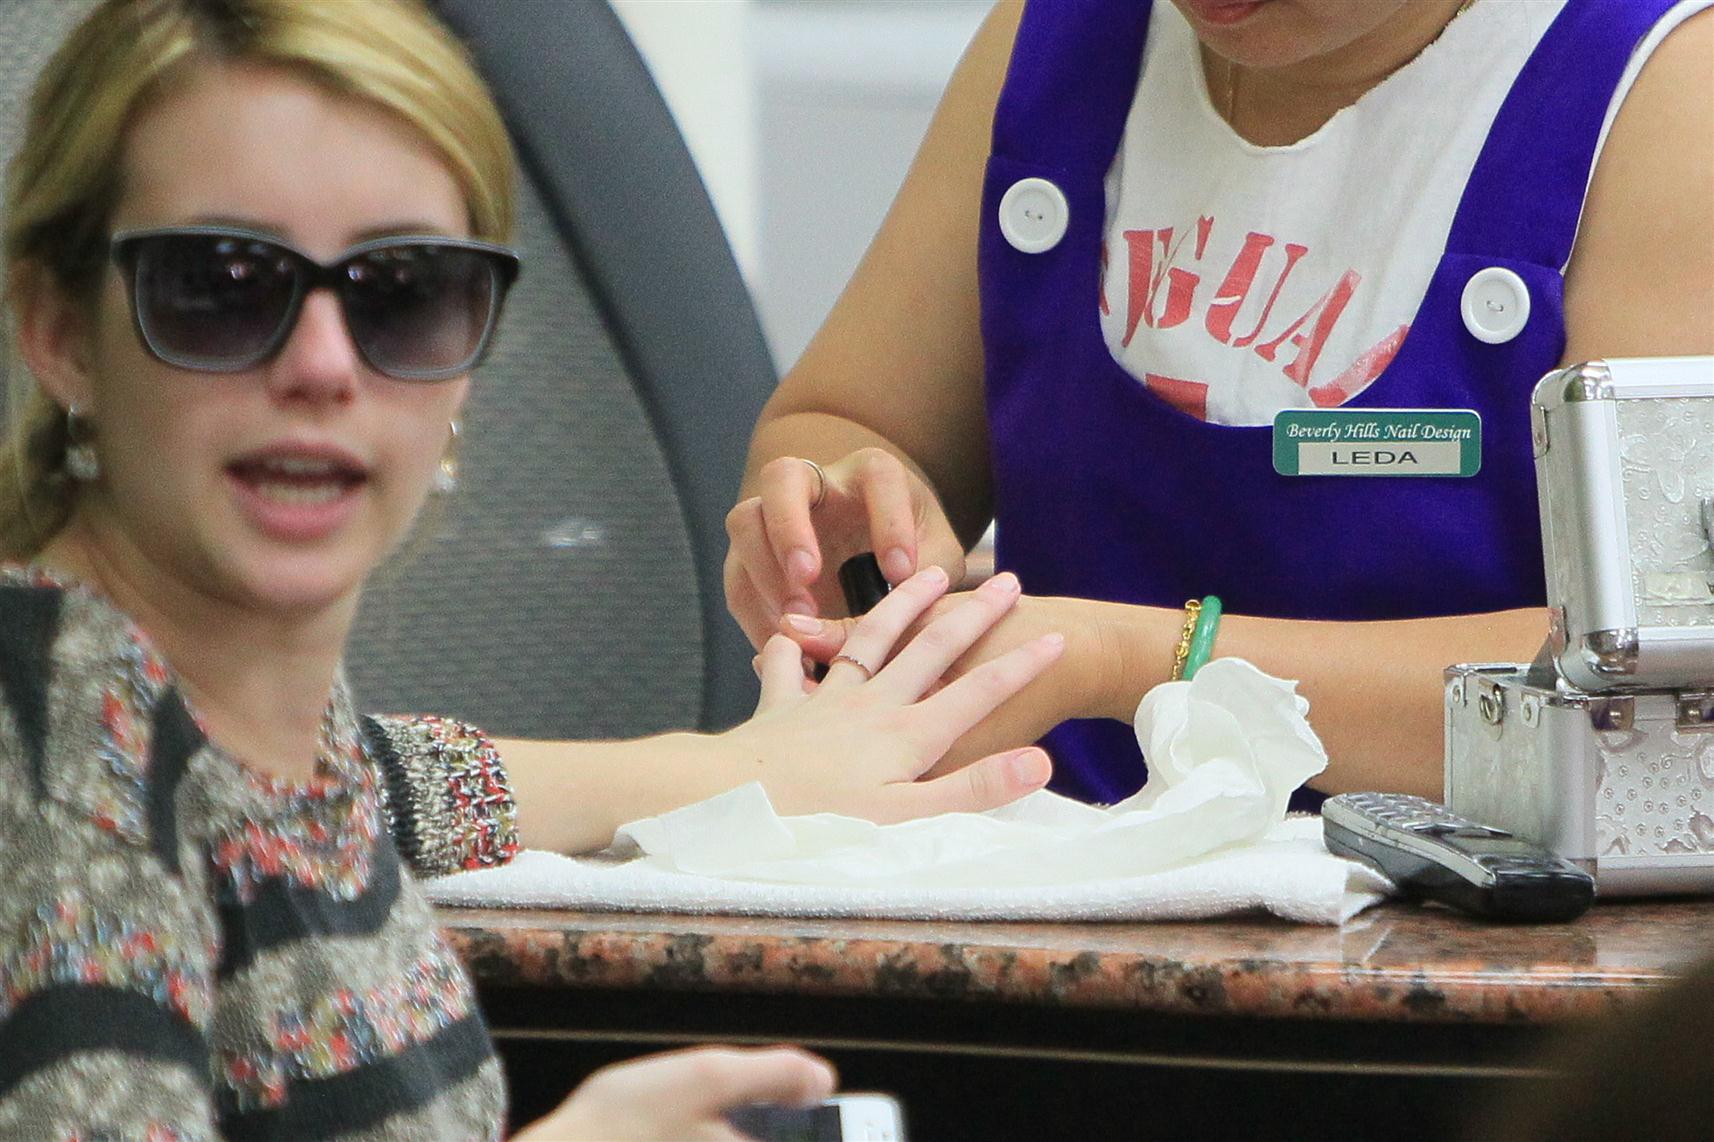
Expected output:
(682, 1096)
(1079, 685)
(857, 742)
(787, 542)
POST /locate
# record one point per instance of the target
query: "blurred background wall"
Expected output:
(803, 116)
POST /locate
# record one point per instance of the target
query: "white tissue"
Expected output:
(1225, 752)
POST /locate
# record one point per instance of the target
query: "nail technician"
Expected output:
(1227, 312)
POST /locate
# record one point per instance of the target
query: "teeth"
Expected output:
(300, 466)
(300, 493)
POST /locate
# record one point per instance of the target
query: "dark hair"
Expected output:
(1646, 1073)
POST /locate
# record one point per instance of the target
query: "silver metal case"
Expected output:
(1621, 782)
(1625, 475)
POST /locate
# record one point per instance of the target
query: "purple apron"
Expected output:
(1105, 491)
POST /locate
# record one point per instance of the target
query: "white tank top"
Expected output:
(1241, 280)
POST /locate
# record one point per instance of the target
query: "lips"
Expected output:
(298, 492)
(1224, 13)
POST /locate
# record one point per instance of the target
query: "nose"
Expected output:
(318, 362)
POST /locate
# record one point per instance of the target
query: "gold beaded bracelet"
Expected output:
(1192, 608)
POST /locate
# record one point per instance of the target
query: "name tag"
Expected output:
(1377, 442)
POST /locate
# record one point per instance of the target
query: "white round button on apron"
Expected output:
(1496, 305)
(1033, 215)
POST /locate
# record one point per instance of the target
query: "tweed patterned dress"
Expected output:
(191, 950)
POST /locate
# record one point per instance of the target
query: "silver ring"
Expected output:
(868, 675)
(820, 482)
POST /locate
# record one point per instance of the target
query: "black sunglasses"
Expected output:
(216, 299)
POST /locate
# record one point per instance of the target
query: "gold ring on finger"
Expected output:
(868, 674)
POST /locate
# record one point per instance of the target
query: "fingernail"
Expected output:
(897, 564)
(800, 565)
(1005, 582)
(803, 624)
(933, 575)
(756, 665)
(1054, 640)
(1026, 767)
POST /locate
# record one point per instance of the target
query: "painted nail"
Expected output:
(803, 624)
(800, 565)
(897, 564)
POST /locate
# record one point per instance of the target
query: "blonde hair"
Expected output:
(64, 182)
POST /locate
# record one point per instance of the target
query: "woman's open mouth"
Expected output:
(298, 493)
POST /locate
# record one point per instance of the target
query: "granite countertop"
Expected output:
(1392, 963)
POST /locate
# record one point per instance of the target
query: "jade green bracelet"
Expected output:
(1202, 639)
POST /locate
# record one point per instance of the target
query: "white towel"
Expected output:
(1206, 836)
(1289, 874)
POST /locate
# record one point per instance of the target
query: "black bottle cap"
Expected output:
(861, 579)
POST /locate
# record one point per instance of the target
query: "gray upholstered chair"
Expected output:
(571, 587)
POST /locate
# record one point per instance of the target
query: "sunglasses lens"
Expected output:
(212, 301)
(420, 310)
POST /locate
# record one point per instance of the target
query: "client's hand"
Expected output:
(681, 1096)
(857, 742)
(1076, 687)
(785, 541)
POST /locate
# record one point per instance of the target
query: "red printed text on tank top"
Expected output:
(1163, 286)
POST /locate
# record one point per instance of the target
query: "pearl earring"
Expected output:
(446, 476)
(81, 462)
